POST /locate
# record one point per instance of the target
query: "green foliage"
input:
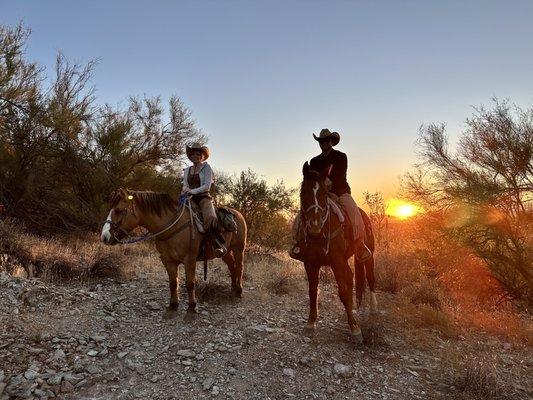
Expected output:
(265, 208)
(61, 154)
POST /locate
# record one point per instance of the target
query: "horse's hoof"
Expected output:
(357, 337)
(309, 330)
(190, 315)
(170, 314)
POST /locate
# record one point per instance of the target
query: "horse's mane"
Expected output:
(154, 202)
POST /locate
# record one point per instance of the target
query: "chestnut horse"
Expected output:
(176, 237)
(325, 246)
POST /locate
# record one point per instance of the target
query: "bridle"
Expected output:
(185, 203)
(324, 212)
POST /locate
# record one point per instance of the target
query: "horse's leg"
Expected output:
(344, 277)
(238, 254)
(230, 262)
(359, 281)
(369, 270)
(190, 281)
(172, 271)
(312, 277)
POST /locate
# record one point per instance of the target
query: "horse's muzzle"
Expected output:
(314, 232)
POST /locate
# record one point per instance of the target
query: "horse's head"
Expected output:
(313, 200)
(122, 218)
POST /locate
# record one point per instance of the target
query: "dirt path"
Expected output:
(109, 340)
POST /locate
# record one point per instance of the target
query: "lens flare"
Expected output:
(402, 209)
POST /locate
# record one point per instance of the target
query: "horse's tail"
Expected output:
(366, 269)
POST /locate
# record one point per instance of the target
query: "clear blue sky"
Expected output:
(261, 76)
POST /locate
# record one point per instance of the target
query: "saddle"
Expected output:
(226, 222)
(346, 225)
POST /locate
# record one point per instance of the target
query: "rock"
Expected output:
(122, 354)
(215, 391)
(185, 353)
(507, 346)
(67, 387)
(55, 379)
(208, 383)
(288, 372)
(59, 354)
(98, 338)
(73, 379)
(2, 387)
(154, 306)
(31, 374)
(344, 371)
(154, 379)
(93, 369)
(92, 353)
(330, 390)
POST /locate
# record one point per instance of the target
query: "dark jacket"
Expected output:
(339, 163)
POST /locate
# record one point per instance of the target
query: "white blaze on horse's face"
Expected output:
(315, 191)
(106, 230)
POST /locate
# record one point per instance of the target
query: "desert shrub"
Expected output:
(61, 153)
(424, 291)
(266, 208)
(284, 280)
(53, 259)
(478, 380)
(428, 317)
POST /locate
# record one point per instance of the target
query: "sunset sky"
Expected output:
(261, 76)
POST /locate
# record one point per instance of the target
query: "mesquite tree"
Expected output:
(485, 190)
(61, 153)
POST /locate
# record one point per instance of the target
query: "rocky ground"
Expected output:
(110, 340)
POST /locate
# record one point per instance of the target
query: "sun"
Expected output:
(402, 209)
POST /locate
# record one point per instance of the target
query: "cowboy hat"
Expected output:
(197, 147)
(326, 134)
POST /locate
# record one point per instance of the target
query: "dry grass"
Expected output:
(62, 260)
(426, 292)
(476, 379)
(284, 281)
(428, 317)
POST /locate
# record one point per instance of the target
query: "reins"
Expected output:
(327, 236)
(147, 236)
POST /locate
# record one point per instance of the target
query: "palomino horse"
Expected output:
(176, 238)
(325, 245)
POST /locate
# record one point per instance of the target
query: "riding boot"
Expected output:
(219, 248)
(362, 252)
(298, 248)
(296, 252)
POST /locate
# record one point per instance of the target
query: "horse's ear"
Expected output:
(305, 169)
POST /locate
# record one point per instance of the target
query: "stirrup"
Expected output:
(365, 254)
(220, 251)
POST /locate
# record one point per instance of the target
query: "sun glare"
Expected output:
(402, 209)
